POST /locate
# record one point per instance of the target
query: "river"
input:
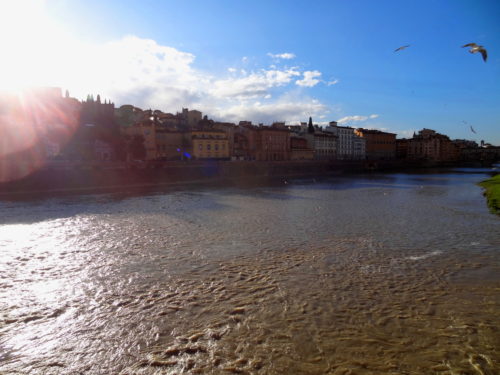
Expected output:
(362, 274)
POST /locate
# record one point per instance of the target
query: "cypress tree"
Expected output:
(310, 127)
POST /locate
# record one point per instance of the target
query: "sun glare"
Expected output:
(35, 48)
(35, 56)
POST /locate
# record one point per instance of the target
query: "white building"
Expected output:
(359, 148)
(324, 144)
(345, 140)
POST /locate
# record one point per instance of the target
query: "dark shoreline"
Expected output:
(84, 178)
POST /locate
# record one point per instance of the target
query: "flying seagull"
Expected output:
(475, 48)
(472, 129)
(401, 48)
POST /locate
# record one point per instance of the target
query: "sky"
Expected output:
(266, 61)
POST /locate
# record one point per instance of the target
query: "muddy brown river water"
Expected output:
(378, 274)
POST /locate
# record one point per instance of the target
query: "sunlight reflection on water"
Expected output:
(300, 278)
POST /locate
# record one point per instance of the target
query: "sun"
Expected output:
(34, 47)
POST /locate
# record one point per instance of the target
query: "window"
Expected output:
(216, 147)
(208, 147)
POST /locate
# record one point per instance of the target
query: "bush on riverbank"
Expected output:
(492, 193)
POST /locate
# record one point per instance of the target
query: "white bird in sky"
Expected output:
(401, 48)
(474, 48)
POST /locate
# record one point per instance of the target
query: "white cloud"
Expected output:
(356, 118)
(252, 85)
(334, 82)
(289, 109)
(309, 78)
(142, 72)
(284, 56)
(138, 71)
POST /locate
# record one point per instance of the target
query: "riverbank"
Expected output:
(88, 177)
(492, 193)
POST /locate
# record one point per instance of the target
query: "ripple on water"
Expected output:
(186, 283)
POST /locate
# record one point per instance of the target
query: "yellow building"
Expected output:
(210, 144)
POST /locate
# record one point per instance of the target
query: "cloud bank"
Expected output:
(252, 85)
(356, 118)
(289, 109)
(144, 73)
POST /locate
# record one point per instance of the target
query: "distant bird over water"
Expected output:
(401, 48)
(474, 48)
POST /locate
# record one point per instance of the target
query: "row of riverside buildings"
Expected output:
(99, 131)
(188, 135)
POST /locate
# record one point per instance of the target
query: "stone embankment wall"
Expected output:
(74, 177)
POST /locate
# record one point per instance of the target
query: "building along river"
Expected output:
(366, 274)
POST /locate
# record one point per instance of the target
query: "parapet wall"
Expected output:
(75, 177)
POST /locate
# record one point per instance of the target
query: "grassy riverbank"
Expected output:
(492, 193)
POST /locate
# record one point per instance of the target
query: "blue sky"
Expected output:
(287, 60)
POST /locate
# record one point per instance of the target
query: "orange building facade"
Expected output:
(272, 143)
(379, 145)
(430, 145)
(299, 149)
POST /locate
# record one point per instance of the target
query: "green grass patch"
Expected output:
(492, 193)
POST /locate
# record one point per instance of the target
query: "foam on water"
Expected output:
(425, 256)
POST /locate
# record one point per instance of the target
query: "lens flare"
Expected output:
(34, 124)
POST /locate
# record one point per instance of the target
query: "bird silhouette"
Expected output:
(474, 48)
(401, 48)
(472, 129)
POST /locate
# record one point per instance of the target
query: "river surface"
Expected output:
(378, 274)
